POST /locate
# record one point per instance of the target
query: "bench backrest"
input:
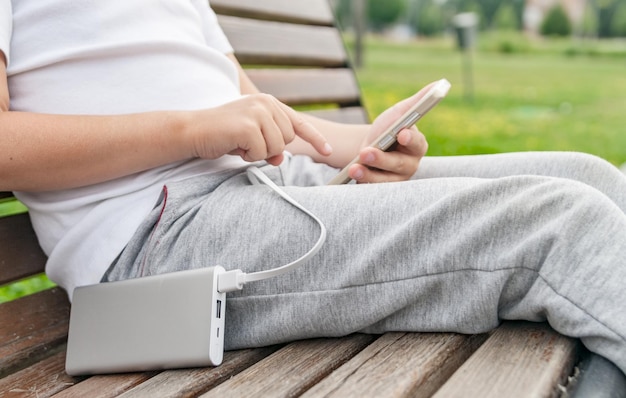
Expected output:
(291, 49)
(20, 255)
(271, 37)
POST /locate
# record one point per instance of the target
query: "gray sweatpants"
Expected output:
(469, 242)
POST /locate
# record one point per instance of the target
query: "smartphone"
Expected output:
(432, 97)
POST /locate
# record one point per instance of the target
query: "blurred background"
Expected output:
(527, 74)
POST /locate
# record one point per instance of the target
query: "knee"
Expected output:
(582, 201)
(588, 166)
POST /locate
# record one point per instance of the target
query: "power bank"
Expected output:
(167, 321)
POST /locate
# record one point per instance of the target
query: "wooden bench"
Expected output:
(516, 360)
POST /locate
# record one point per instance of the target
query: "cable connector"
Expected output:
(230, 281)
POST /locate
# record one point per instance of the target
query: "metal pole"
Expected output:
(468, 74)
(359, 27)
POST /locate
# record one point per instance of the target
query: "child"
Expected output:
(130, 127)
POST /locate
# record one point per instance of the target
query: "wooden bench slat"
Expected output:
(20, 254)
(278, 43)
(520, 359)
(192, 382)
(42, 379)
(352, 115)
(400, 365)
(31, 328)
(293, 369)
(315, 12)
(107, 386)
(308, 86)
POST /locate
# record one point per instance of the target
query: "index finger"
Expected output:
(307, 131)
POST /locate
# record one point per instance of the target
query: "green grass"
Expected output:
(539, 98)
(11, 206)
(24, 287)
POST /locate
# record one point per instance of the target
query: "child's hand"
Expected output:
(402, 161)
(255, 127)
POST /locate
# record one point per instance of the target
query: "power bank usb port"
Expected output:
(218, 310)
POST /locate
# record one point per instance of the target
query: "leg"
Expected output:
(588, 169)
(439, 254)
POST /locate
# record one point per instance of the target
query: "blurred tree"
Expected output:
(429, 18)
(472, 6)
(487, 11)
(343, 13)
(505, 17)
(556, 23)
(381, 14)
(490, 8)
(350, 14)
(360, 27)
(618, 21)
(605, 9)
(590, 22)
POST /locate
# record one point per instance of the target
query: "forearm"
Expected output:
(48, 152)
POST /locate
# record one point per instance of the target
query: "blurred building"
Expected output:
(536, 10)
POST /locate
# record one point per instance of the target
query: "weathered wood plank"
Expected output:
(192, 382)
(20, 254)
(316, 12)
(293, 369)
(42, 379)
(308, 86)
(48, 377)
(31, 328)
(105, 386)
(519, 359)
(400, 365)
(278, 43)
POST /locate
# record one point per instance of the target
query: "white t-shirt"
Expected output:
(110, 57)
(6, 26)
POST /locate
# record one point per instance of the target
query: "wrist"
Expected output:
(183, 133)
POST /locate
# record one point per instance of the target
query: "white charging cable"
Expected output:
(230, 281)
